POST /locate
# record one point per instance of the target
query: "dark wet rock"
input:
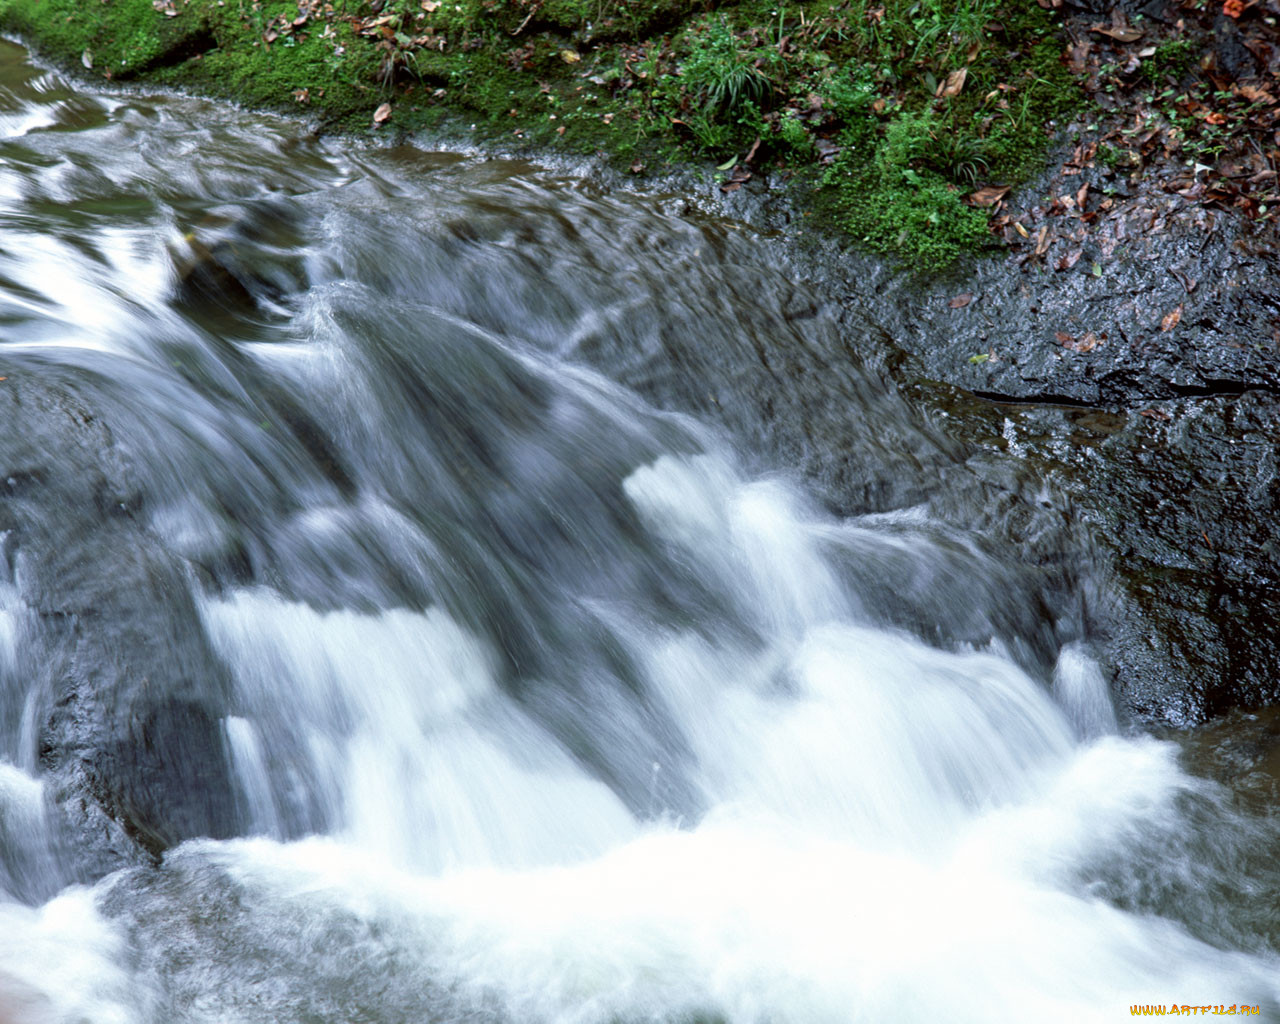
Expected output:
(240, 260)
(1139, 397)
(1242, 751)
(129, 696)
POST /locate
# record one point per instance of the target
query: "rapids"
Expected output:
(382, 640)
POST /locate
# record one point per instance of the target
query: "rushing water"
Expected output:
(496, 692)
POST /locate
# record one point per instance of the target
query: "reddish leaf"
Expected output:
(382, 113)
(961, 300)
(1170, 320)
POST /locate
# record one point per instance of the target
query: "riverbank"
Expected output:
(901, 121)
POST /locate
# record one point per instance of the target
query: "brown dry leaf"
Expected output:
(1020, 229)
(953, 84)
(989, 196)
(1170, 320)
(1155, 414)
(1082, 195)
(431, 6)
(1120, 33)
(1043, 241)
(1070, 259)
(382, 113)
(961, 300)
(1255, 95)
(1085, 344)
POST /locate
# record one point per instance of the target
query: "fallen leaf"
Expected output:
(570, 56)
(1255, 95)
(1020, 229)
(1155, 414)
(989, 196)
(1170, 320)
(1082, 195)
(827, 150)
(727, 164)
(86, 59)
(431, 6)
(953, 84)
(961, 300)
(1043, 241)
(1120, 33)
(382, 113)
(302, 95)
(1086, 344)
(981, 357)
(1233, 8)
(1070, 259)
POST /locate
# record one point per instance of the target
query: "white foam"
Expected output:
(422, 757)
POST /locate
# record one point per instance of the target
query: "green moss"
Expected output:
(121, 37)
(848, 93)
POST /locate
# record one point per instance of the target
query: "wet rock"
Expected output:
(129, 697)
(1138, 389)
(240, 259)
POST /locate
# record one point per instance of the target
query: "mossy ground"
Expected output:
(892, 111)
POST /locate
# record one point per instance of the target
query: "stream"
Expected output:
(407, 614)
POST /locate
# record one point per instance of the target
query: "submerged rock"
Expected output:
(127, 694)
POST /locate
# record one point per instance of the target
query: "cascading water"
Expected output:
(480, 688)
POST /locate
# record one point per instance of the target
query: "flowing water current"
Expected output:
(369, 653)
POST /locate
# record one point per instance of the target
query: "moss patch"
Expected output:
(894, 111)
